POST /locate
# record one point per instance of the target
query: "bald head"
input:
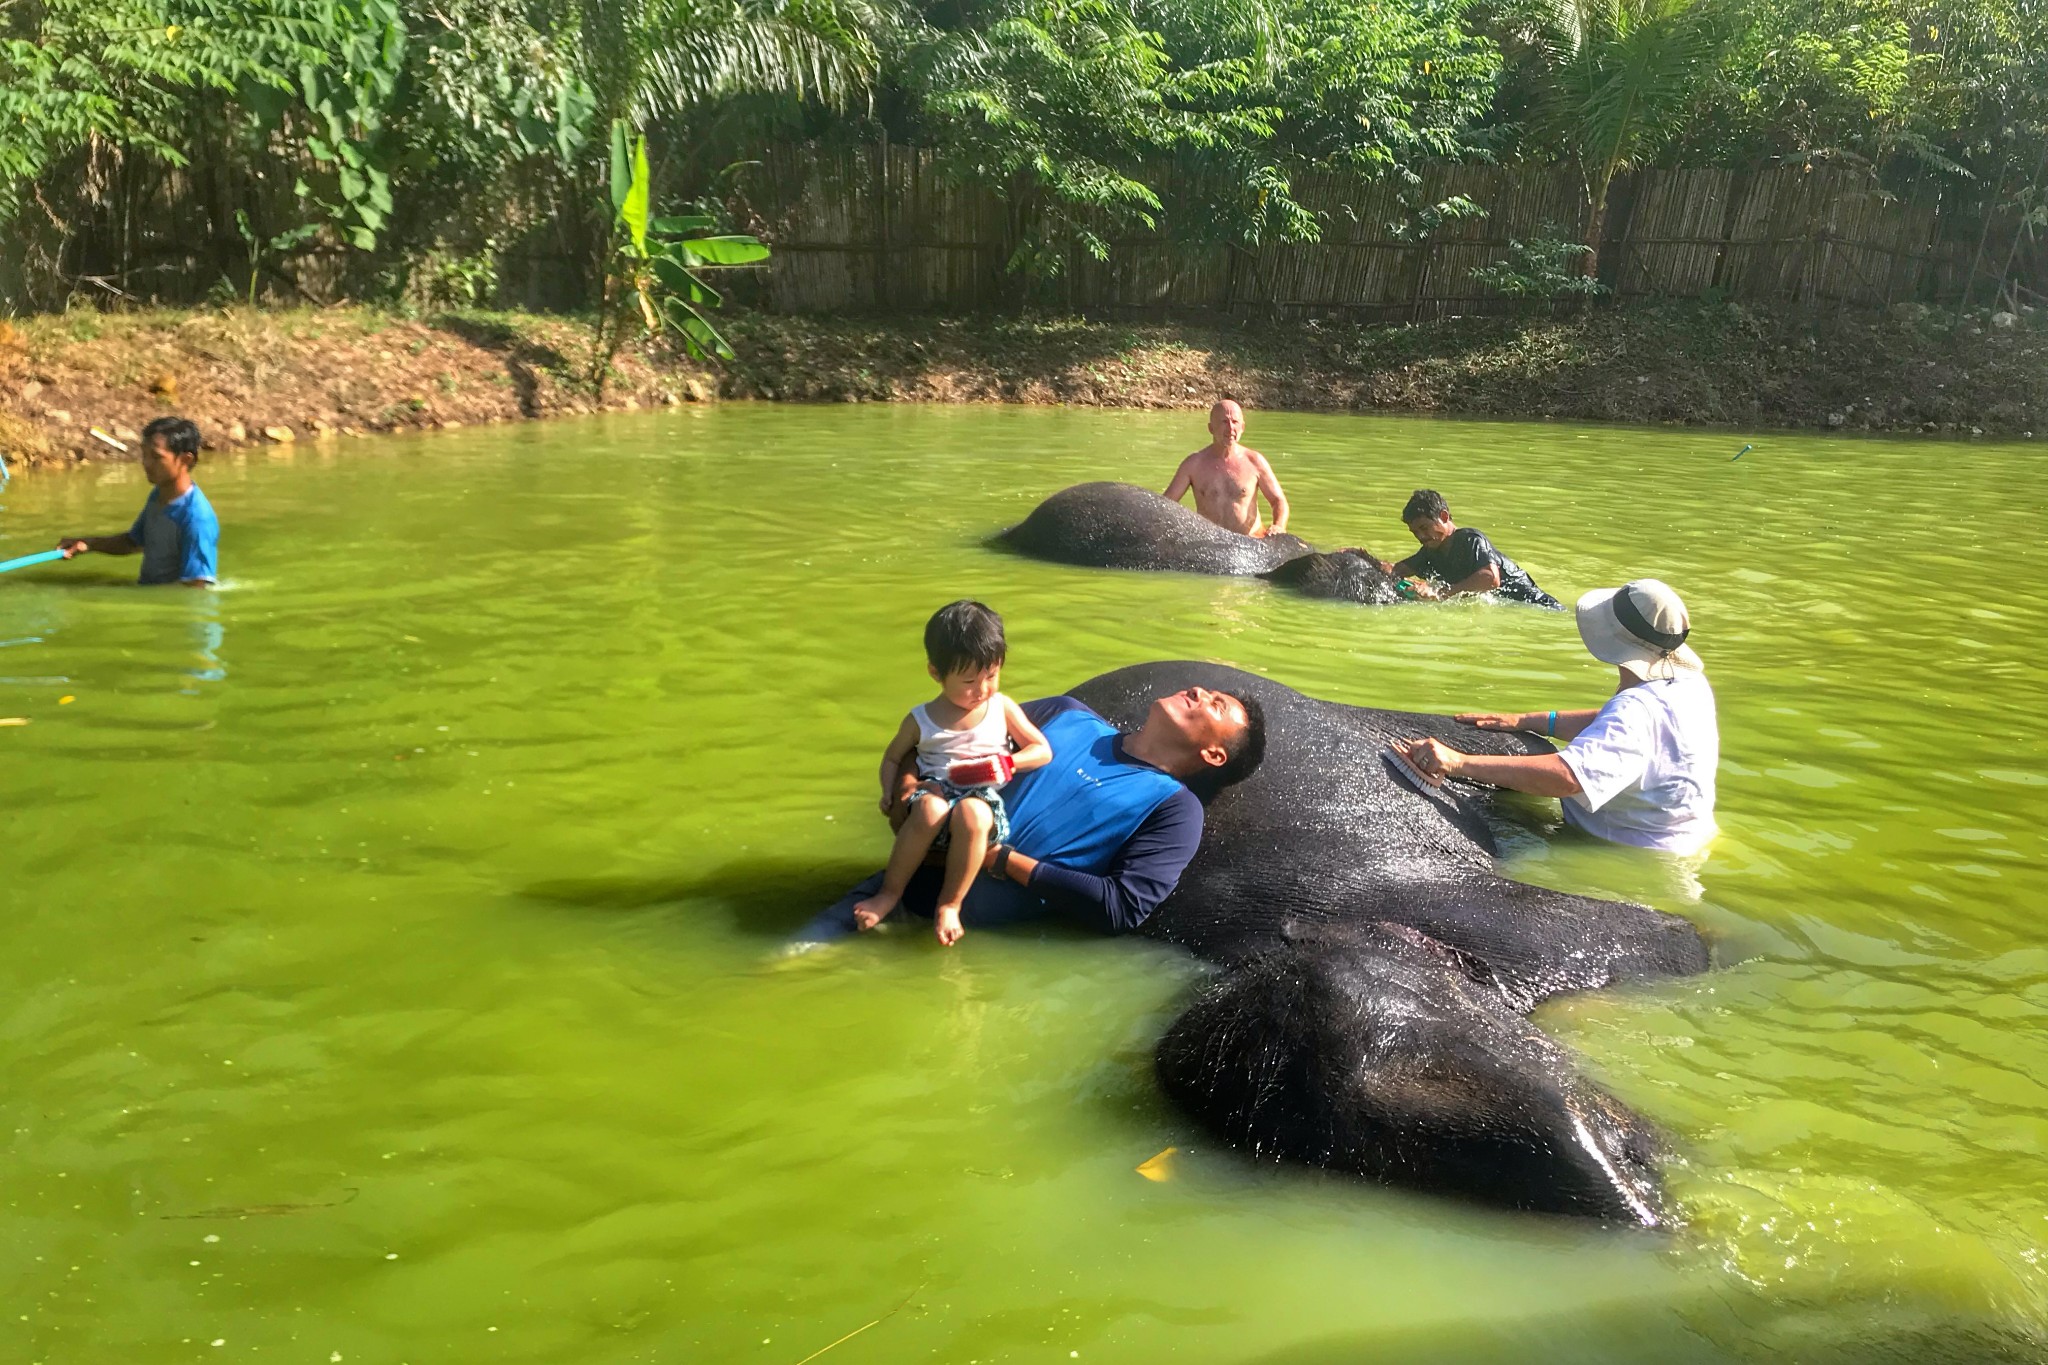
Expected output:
(1226, 421)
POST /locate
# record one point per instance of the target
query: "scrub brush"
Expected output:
(1409, 773)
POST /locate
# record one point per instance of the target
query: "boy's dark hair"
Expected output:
(964, 634)
(1248, 750)
(1425, 504)
(181, 435)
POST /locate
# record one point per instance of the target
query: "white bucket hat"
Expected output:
(1640, 626)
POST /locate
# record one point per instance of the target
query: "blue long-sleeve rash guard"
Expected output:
(1111, 889)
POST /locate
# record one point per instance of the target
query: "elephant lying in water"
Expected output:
(1122, 526)
(1377, 968)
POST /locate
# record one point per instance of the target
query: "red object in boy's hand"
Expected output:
(992, 771)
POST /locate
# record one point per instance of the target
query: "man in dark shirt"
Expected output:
(1455, 559)
(1101, 834)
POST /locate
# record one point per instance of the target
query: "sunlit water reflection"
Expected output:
(390, 934)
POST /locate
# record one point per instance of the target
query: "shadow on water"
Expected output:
(94, 585)
(767, 898)
(760, 897)
(1721, 1332)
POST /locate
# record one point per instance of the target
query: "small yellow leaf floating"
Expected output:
(1160, 1168)
(13, 720)
(66, 701)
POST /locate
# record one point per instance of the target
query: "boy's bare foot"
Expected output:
(872, 911)
(948, 917)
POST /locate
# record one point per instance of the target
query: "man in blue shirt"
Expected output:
(177, 534)
(1101, 834)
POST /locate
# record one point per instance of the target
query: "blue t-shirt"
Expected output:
(179, 539)
(1111, 834)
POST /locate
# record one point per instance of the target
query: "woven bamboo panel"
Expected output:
(892, 228)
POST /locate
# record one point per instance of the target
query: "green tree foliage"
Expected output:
(1939, 85)
(397, 146)
(1383, 86)
(129, 73)
(1614, 81)
(656, 271)
(646, 60)
(1059, 104)
(1807, 77)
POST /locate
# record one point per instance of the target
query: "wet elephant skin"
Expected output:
(1123, 526)
(1376, 968)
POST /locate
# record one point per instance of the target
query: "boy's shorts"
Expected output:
(950, 794)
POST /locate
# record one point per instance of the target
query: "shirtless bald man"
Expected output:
(1228, 478)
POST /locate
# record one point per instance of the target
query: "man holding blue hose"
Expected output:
(1101, 834)
(177, 534)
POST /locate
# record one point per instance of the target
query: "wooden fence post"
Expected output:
(882, 222)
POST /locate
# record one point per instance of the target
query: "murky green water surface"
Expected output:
(390, 934)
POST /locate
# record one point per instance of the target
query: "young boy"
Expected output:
(1456, 560)
(177, 533)
(961, 740)
(1228, 478)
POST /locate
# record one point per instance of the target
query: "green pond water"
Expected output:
(390, 969)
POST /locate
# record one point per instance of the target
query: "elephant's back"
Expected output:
(1122, 526)
(1323, 832)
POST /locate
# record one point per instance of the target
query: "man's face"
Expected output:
(1207, 721)
(1431, 532)
(159, 465)
(1226, 422)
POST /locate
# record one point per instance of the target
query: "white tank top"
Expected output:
(939, 749)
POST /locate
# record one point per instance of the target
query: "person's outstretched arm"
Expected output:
(1032, 749)
(1143, 873)
(1484, 559)
(1269, 484)
(1486, 579)
(1537, 774)
(120, 543)
(1566, 726)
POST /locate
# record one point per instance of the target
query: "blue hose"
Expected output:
(45, 557)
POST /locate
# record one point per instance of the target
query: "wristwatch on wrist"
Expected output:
(1002, 860)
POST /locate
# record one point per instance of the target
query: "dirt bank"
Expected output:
(249, 376)
(1909, 370)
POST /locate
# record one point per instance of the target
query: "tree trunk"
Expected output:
(1596, 218)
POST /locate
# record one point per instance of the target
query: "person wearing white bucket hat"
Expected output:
(1640, 770)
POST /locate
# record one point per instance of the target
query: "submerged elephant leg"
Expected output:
(1375, 1051)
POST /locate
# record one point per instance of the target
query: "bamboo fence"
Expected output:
(885, 227)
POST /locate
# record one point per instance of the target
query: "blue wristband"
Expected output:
(1550, 728)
